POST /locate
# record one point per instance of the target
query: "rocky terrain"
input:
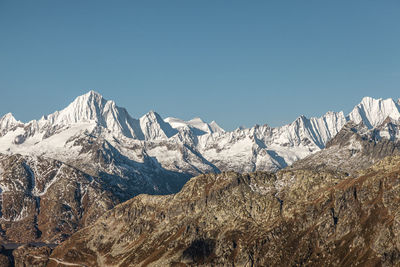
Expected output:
(47, 200)
(60, 173)
(291, 218)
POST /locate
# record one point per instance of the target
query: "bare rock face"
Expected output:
(32, 256)
(47, 200)
(292, 218)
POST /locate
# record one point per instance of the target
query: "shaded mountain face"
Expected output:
(293, 217)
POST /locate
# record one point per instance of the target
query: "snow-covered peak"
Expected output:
(200, 124)
(85, 108)
(93, 108)
(185, 145)
(327, 126)
(372, 112)
(197, 124)
(216, 128)
(155, 128)
(8, 121)
(196, 120)
(176, 123)
(8, 118)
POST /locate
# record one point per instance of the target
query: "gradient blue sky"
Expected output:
(236, 62)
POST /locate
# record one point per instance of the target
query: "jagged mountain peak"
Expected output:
(372, 112)
(8, 121)
(93, 108)
(372, 103)
(152, 115)
(92, 113)
(8, 117)
(91, 96)
(154, 127)
(300, 120)
(93, 93)
(85, 108)
(216, 128)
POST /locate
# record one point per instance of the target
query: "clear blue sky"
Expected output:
(236, 62)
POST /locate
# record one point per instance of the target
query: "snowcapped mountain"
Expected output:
(373, 112)
(155, 128)
(7, 122)
(197, 125)
(92, 108)
(355, 148)
(185, 147)
(124, 156)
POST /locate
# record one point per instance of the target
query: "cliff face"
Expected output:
(293, 217)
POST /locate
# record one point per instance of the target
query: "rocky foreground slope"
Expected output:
(293, 217)
(47, 200)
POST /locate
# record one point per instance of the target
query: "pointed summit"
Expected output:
(93, 93)
(216, 128)
(85, 108)
(155, 128)
(372, 112)
(8, 121)
(93, 108)
(8, 118)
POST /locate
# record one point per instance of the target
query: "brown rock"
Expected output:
(32, 256)
(292, 218)
(47, 200)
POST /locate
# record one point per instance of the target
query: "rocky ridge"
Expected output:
(291, 218)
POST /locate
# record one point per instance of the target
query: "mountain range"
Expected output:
(129, 156)
(191, 147)
(60, 173)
